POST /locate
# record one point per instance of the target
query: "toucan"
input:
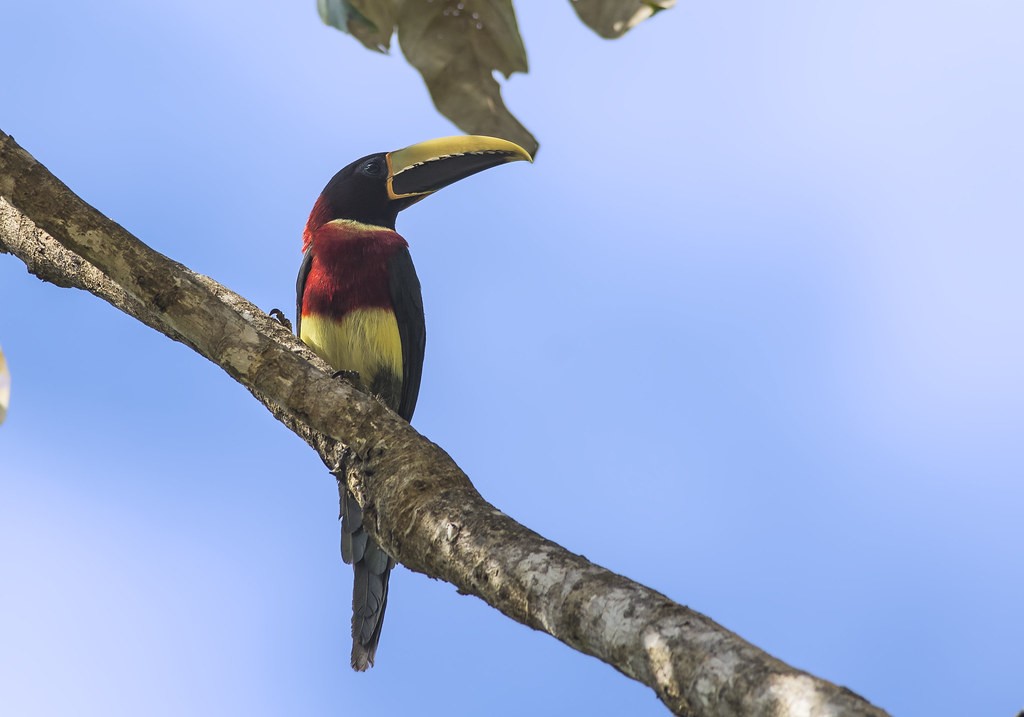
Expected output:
(359, 308)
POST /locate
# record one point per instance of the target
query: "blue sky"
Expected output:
(749, 331)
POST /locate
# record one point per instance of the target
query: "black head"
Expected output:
(360, 192)
(375, 188)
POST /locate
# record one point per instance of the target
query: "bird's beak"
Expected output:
(423, 168)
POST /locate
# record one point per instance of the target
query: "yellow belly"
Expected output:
(365, 341)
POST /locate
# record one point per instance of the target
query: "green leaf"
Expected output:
(457, 45)
(372, 22)
(5, 386)
(614, 18)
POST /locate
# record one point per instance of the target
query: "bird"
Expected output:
(360, 308)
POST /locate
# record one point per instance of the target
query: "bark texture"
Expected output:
(417, 502)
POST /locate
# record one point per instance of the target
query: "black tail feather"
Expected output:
(372, 568)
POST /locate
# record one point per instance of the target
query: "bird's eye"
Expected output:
(373, 168)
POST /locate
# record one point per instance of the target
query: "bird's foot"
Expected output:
(351, 377)
(279, 316)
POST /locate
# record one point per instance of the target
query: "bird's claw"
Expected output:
(279, 316)
(346, 375)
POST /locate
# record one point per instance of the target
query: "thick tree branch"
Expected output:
(418, 503)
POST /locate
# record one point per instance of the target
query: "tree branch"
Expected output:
(417, 502)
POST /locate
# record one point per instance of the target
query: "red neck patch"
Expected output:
(349, 267)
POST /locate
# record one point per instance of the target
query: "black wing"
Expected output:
(407, 303)
(300, 288)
